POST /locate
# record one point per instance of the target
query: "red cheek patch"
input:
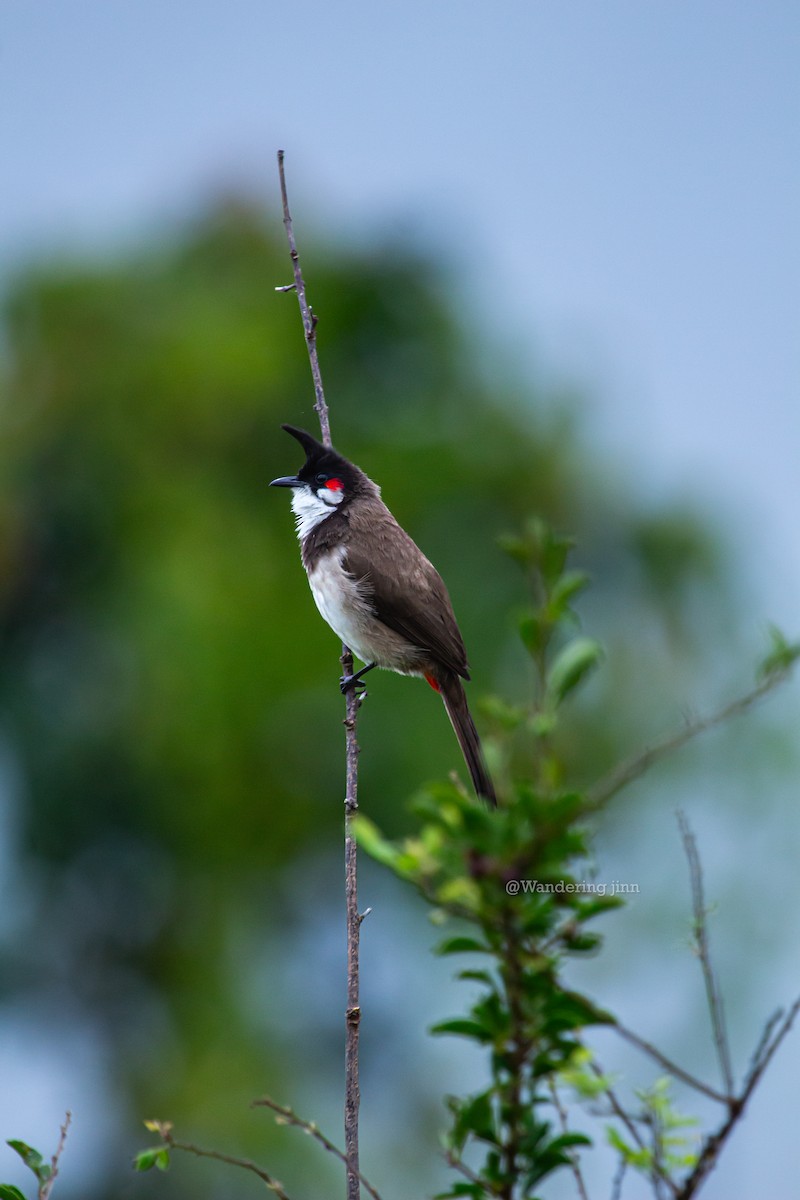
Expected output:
(335, 485)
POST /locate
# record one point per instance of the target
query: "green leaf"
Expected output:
(569, 585)
(570, 1010)
(571, 666)
(370, 838)
(553, 555)
(476, 1190)
(476, 977)
(535, 631)
(462, 1027)
(9, 1192)
(633, 1156)
(507, 716)
(155, 1156)
(520, 549)
(782, 655)
(32, 1159)
(462, 945)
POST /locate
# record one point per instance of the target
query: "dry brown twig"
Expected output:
(46, 1186)
(639, 764)
(287, 1116)
(352, 701)
(671, 1067)
(700, 930)
(774, 1032)
(164, 1130)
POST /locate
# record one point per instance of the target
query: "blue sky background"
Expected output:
(617, 184)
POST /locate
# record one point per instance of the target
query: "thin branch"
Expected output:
(660, 1177)
(619, 1177)
(637, 766)
(46, 1186)
(763, 1042)
(713, 1144)
(164, 1128)
(713, 996)
(572, 1154)
(352, 1098)
(456, 1163)
(306, 312)
(287, 1116)
(668, 1065)
(616, 1105)
(766, 1049)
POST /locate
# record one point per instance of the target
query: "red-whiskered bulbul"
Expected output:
(377, 590)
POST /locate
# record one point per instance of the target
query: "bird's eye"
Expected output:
(320, 479)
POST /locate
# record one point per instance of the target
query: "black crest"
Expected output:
(321, 458)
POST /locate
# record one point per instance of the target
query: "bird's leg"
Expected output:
(354, 681)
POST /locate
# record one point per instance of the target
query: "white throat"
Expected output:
(311, 508)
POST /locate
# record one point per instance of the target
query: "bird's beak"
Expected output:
(286, 481)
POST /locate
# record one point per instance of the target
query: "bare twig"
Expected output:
(164, 1129)
(46, 1186)
(774, 1032)
(352, 1098)
(766, 1048)
(288, 1116)
(763, 1042)
(637, 766)
(700, 925)
(309, 320)
(619, 1178)
(668, 1065)
(572, 1154)
(713, 1144)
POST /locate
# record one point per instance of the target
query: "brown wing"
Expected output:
(405, 589)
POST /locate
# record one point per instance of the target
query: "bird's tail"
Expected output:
(455, 701)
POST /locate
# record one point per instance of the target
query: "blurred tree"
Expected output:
(168, 701)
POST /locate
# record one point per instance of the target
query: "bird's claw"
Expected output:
(352, 683)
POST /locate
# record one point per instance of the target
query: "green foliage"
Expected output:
(163, 662)
(154, 1156)
(514, 877)
(670, 1148)
(43, 1171)
(32, 1158)
(782, 656)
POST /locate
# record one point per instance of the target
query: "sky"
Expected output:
(616, 185)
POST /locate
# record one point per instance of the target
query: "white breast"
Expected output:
(345, 605)
(339, 600)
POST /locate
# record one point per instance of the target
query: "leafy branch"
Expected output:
(45, 1172)
(512, 879)
(159, 1156)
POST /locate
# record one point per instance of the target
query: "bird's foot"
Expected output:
(349, 683)
(354, 682)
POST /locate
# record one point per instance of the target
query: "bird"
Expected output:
(376, 589)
